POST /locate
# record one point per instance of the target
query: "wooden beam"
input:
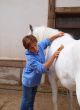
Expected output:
(72, 10)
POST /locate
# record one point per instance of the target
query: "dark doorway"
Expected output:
(74, 32)
(69, 23)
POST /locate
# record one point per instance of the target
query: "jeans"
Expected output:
(28, 97)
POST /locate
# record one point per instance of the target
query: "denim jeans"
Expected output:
(28, 97)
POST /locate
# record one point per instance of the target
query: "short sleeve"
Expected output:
(44, 43)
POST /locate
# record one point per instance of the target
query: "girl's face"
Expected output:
(33, 47)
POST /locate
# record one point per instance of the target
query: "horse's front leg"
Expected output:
(53, 83)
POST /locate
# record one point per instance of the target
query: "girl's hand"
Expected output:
(60, 34)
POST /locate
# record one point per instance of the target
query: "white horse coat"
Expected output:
(67, 67)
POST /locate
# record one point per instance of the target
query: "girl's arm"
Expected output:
(60, 34)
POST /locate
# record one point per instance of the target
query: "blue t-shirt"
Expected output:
(34, 67)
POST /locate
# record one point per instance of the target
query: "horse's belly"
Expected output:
(68, 83)
(65, 76)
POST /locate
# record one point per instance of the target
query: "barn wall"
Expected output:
(15, 17)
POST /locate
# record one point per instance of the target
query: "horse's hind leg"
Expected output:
(70, 100)
(53, 84)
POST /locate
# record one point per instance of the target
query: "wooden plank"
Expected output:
(67, 9)
(12, 63)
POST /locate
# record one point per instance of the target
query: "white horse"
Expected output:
(67, 67)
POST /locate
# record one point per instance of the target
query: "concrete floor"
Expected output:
(10, 98)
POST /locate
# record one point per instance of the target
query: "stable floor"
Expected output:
(10, 98)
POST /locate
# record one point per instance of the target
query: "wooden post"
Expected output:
(51, 13)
